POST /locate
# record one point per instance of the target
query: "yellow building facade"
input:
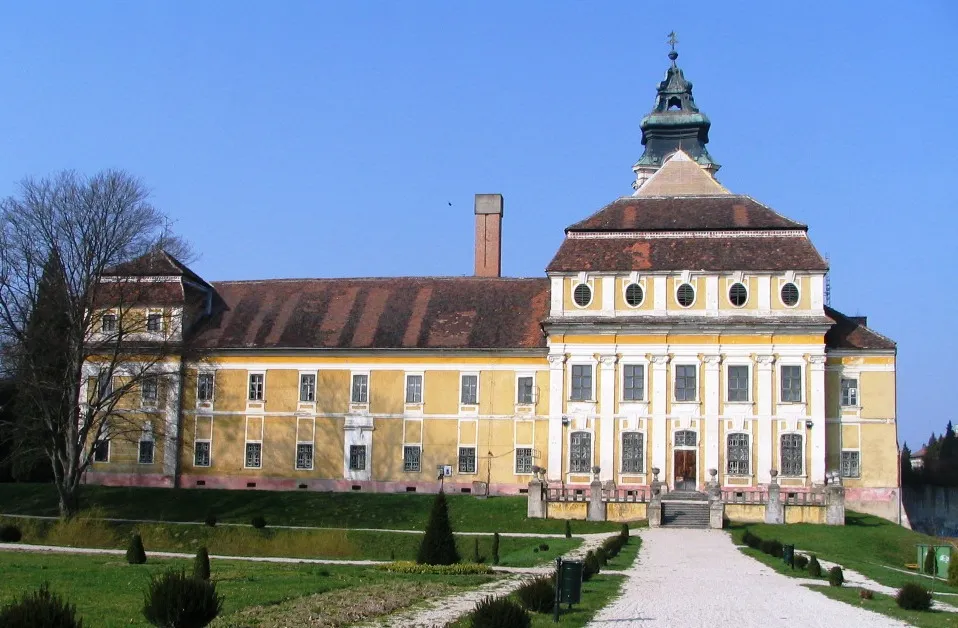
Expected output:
(681, 333)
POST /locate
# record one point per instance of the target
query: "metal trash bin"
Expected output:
(570, 582)
(922, 550)
(943, 559)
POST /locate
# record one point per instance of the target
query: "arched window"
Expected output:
(793, 454)
(580, 452)
(737, 454)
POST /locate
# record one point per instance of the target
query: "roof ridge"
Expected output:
(400, 277)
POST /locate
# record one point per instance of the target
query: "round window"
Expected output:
(634, 295)
(582, 295)
(790, 294)
(685, 295)
(738, 295)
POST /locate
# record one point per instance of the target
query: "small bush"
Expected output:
(498, 613)
(752, 540)
(613, 545)
(568, 529)
(458, 569)
(475, 551)
(590, 566)
(814, 567)
(495, 548)
(544, 547)
(602, 556)
(835, 576)
(201, 565)
(258, 522)
(866, 594)
(176, 600)
(211, 519)
(930, 562)
(135, 554)
(538, 595)
(10, 534)
(747, 538)
(914, 597)
(801, 561)
(624, 533)
(39, 608)
(953, 570)
(772, 548)
(438, 546)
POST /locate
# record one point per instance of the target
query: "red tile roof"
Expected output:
(156, 263)
(850, 332)
(379, 313)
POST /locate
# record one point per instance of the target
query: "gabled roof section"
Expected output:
(379, 313)
(156, 263)
(850, 332)
(680, 176)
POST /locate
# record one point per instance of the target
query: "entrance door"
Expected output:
(685, 470)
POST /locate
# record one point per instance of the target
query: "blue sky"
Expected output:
(293, 139)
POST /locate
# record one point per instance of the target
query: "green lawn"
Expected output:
(865, 543)
(886, 605)
(109, 593)
(400, 511)
(625, 558)
(295, 543)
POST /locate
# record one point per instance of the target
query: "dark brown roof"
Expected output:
(715, 254)
(156, 263)
(849, 332)
(685, 213)
(387, 313)
(138, 292)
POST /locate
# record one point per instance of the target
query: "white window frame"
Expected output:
(781, 379)
(96, 447)
(729, 283)
(246, 446)
(475, 460)
(645, 380)
(781, 470)
(349, 457)
(212, 375)
(535, 396)
(854, 450)
(729, 363)
(681, 281)
(418, 468)
(575, 282)
(841, 391)
(206, 441)
(748, 447)
(249, 385)
(463, 375)
(628, 281)
(642, 461)
(139, 451)
(592, 364)
(591, 458)
(352, 380)
(151, 313)
(116, 322)
(422, 388)
(150, 403)
(515, 459)
(315, 385)
(795, 281)
(312, 456)
(254, 441)
(685, 361)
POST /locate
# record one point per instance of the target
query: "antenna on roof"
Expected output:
(828, 282)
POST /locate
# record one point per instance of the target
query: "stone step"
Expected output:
(685, 515)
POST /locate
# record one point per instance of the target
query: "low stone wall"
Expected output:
(567, 510)
(932, 509)
(805, 514)
(881, 502)
(626, 512)
(745, 513)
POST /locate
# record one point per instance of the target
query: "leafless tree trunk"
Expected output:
(66, 316)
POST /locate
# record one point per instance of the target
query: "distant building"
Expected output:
(918, 458)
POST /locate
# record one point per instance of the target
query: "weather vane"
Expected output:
(672, 41)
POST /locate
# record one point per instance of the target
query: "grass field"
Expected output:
(886, 605)
(398, 511)
(84, 531)
(624, 559)
(109, 593)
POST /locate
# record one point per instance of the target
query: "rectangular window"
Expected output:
(412, 459)
(467, 460)
(357, 457)
(201, 453)
(304, 456)
(108, 323)
(792, 454)
(149, 390)
(849, 392)
(414, 389)
(104, 384)
(633, 382)
(254, 455)
(738, 383)
(469, 390)
(360, 392)
(101, 450)
(307, 387)
(738, 454)
(145, 455)
(791, 384)
(580, 452)
(523, 460)
(154, 322)
(524, 388)
(204, 387)
(851, 464)
(632, 452)
(581, 382)
(685, 388)
(256, 386)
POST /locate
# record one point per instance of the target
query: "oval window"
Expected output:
(582, 295)
(737, 295)
(685, 295)
(790, 294)
(634, 295)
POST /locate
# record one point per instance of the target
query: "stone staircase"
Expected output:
(685, 509)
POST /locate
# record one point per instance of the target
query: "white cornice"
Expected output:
(658, 235)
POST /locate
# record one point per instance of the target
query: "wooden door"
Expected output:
(685, 469)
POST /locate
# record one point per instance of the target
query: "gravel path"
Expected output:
(699, 578)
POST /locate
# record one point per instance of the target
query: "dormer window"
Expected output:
(634, 295)
(737, 294)
(154, 322)
(674, 103)
(685, 295)
(108, 324)
(582, 295)
(790, 294)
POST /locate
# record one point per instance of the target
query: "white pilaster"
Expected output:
(764, 293)
(817, 291)
(817, 412)
(557, 297)
(659, 397)
(608, 295)
(711, 293)
(607, 418)
(659, 296)
(556, 392)
(712, 392)
(171, 428)
(763, 366)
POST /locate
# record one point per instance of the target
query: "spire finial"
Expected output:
(672, 41)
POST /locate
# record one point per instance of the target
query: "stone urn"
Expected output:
(713, 473)
(655, 473)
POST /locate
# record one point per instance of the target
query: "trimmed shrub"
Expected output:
(568, 529)
(602, 556)
(544, 547)
(801, 561)
(459, 569)
(498, 612)
(953, 570)
(39, 608)
(814, 567)
(476, 558)
(135, 554)
(211, 519)
(176, 600)
(866, 594)
(495, 548)
(624, 533)
(748, 537)
(590, 566)
(438, 545)
(538, 595)
(930, 562)
(258, 522)
(201, 565)
(835, 576)
(914, 597)
(10, 534)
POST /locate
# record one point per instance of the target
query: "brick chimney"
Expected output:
(488, 235)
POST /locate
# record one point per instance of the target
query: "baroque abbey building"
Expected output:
(683, 328)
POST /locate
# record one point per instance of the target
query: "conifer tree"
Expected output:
(201, 565)
(438, 543)
(135, 554)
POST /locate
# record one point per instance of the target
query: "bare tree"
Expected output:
(72, 325)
